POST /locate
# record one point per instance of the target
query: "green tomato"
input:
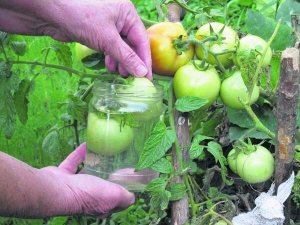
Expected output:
(108, 136)
(255, 43)
(231, 159)
(227, 41)
(221, 222)
(233, 88)
(91, 58)
(141, 84)
(189, 81)
(256, 167)
(147, 95)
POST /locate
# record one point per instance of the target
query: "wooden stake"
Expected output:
(287, 105)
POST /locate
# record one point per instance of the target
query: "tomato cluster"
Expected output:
(254, 167)
(218, 51)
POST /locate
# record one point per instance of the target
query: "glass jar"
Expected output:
(120, 120)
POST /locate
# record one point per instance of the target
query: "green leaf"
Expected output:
(262, 26)
(21, 100)
(94, 59)
(61, 220)
(64, 54)
(159, 142)
(4, 38)
(160, 201)
(242, 119)
(235, 133)
(196, 148)
(177, 191)
(163, 166)
(270, 81)
(216, 150)
(51, 143)
(4, 70)
(75, 107)
(286, 9)
(156, 185)
(189, 103)
(7, 107)
(19, 48)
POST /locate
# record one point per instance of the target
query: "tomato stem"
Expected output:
(184, 6)
(206, 50)
(178, 148)
(258, 68)
(258, 124)
(67, 69)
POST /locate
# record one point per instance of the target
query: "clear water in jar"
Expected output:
(113, 153)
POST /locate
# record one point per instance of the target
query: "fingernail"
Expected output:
(141, 70)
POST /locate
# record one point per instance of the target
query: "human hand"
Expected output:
(112, 26)
(90, 195)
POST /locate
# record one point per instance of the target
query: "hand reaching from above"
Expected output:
(112, 26)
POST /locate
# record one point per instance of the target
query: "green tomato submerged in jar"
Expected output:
(120, 119)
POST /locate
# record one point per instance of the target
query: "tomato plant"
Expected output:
(165, 58)
(225, 39)
(254, 167)
(91, 58)
(233, 88)
(108, 136)
(252, 42)
(191, 81)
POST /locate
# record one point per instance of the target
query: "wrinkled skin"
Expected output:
(112, 26)
(55, 191)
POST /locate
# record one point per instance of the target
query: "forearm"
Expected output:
(26, 16)
(26, 192)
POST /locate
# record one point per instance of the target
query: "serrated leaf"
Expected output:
(64, 54)
(21, 100)
(19, 48)
(51, 143)
(190, 103)
(262, 26)
(178, 191)
(156, 185)
(160, 201)
(163, 166)
(7, 107)
(159, 142)
(4, 70)
(4, 38)
(216, 150)
(75, 107)
(196, 148)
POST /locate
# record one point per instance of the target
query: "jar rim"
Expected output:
(126, 90)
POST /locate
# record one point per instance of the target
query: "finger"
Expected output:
(122, 71)
(125, 55)
(110, 63)
(137, 37)
(71, 163)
